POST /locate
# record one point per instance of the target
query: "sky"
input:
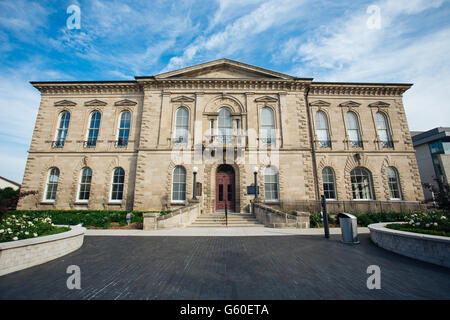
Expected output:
(400, 41)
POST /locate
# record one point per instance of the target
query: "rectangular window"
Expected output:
(220, 192)
(230, 197)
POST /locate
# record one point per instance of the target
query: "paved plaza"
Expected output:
(296, 266)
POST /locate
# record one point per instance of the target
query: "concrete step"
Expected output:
(219, 221)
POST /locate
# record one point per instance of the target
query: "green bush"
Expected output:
(364, 219)
(89, 218)
(22, 226)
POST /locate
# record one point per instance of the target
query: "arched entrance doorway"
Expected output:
(225, 188)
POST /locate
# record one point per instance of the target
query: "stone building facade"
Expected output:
(136, 144)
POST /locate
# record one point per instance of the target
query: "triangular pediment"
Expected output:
(223, 69)
(95, 103)
(350, 104)
(379, 104)
(182, 99)
(125, 102)
(64, 103)
(319, 103)
(266, 99)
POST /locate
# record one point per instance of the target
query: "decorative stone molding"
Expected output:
(319, 103)
(379, 104)
(358, 89)
(94, 87)
(65, 103)
(95, 103)
(266, 99)
(182, 99)
(350, 104)
(125, 103)
(213, 106)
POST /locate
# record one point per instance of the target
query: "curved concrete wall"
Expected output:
(22, 254)
(429, 248)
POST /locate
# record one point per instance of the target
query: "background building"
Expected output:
(433, 156)
(5, 183)
(136, 144)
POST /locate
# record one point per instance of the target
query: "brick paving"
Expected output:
(266, 267)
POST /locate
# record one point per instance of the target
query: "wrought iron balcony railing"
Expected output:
(356, 144)
(90, 143)
(387, 144)
(324, 143)
(58, 144)
(121, 143)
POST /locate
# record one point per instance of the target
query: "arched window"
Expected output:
(94, 126)
(267, 126)
(84, 189)
(323, 135)
(361, 184)
(179, 184)
(383, 130)
(124, 129)
(117, 184)
(52, 184)
(225, 126)
(394, 183)
(329, 183)
(182, 126)
(61, 132)
(271, 184)
(353, 131)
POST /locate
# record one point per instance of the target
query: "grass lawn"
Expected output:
(407, 228)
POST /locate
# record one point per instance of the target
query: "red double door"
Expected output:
(225, 191)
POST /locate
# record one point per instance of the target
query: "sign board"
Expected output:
(252, 190)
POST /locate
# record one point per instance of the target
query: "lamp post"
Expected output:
(255, 172)
(195, 170)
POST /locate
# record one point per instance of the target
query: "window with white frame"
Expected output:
(179, 184)
(84, 188)
(394, 183)
(225, 126)
(61, 131)
(52, 184)
(267, 126)
(323, 135)
(353, 131)
(271, 184)
(124, 129)
(94, 127)
(382, 124)
(329, 183)
(182, 126)
(117, 184)
(361, 184)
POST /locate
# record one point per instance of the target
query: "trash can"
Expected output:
(349, 228)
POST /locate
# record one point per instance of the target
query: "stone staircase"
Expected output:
(217, 220)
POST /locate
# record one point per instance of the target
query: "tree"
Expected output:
(9, 198)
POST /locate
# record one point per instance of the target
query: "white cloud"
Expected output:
(238, 35)
(349, 51)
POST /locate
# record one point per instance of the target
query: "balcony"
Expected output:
(121, 143)
(324, 143)
(58, 144)
(226, 140)
(90, 143)
(356, 144)
(387, 144)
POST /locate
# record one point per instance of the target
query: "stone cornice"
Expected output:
(150, 83)
(223, 84)
(358, 89)
(88, 87)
